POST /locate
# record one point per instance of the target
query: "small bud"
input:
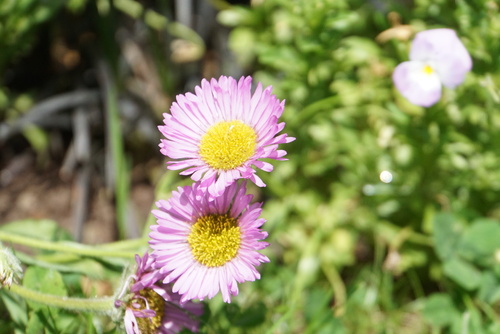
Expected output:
(10, 268)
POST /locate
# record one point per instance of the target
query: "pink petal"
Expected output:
(419, 87)
(445, 52)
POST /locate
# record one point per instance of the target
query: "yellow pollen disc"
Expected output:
(428, 70)
(215, 239)
(157, 304)
(227, 145)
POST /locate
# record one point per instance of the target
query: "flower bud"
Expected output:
(10, 267)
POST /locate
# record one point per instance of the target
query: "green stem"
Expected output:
(421, 239)
(339, 289)
(126, 244)
(115, 147)
(98, 305)
(489, 311)
(64, 247)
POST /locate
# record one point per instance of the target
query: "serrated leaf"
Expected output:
(463, 273)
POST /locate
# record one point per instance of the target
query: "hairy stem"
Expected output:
(97, 305)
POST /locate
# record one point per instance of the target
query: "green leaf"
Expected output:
(7, 327)
(481, 240)
(43, 229)
(489, 289)
(470, 322)
(44, 280)
(318, 313)
(50, 282)
(16, 307)
(235, 16)
(317, 301)
(440, 311)
(85, 266)
(463, 273)
(493, 328)
(76, 6)
(74, 323)
(35, 324)
(242, 42)
(447, 230)
(358, 50)
(250, 317)
(38, 138)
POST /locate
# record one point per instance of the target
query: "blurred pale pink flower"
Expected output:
(221, 131)
(206, 245)
(152, 307)
(437, 57)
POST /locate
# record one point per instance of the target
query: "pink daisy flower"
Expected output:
(152, 307)
(221, 131)
(206, 245)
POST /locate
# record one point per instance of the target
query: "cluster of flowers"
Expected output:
(207, 237)
(437, 57)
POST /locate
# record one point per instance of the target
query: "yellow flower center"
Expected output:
(428, 70)
(155, 303)
(215, 239)
(227, 145)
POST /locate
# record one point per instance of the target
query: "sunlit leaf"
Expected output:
(463, 273)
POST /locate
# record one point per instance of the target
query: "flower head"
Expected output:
(10, 267)
(205, 245)
(437, 57)
(221, 131)
(152, 307)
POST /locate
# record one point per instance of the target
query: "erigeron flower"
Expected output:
(437, 57)
(206, 245)
(219, 133)
(152, 307)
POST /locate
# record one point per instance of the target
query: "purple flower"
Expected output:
(152, 307)
(206, 245)
(219, 133)
(437, 57)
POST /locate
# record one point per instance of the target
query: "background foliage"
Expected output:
(351, 251)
